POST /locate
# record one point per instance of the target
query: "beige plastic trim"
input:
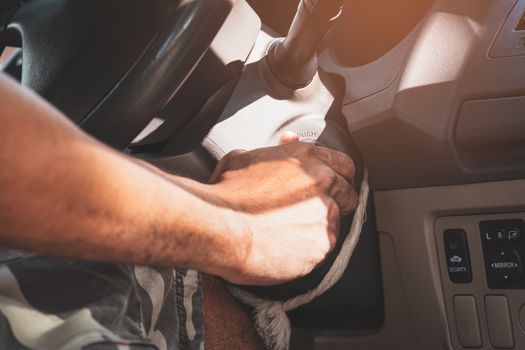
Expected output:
(478, 288)
(415, 297)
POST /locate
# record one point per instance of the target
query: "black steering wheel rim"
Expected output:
(110, 66)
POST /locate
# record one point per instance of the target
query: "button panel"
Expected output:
(458, 259)
(503, 250)
(498, 278)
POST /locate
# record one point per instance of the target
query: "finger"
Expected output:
(338, 161)
(334, 221)
(336, 188)
(288, 136)
(344, 195)
(222, 165)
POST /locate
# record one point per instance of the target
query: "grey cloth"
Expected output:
(57, 304)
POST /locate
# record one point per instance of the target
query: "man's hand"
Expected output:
(291, 197)
(270, 215)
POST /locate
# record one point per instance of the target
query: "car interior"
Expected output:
(427, 95)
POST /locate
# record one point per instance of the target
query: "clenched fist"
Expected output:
(290, 199)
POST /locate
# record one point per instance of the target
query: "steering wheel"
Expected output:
(78, 55)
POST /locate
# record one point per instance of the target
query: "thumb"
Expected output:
(288, 136)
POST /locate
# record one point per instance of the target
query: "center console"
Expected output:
(480, 258)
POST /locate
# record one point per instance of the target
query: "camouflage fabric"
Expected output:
(49, 303)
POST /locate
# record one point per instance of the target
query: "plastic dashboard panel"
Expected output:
(479, 288)
(418, 294)
(403, 108)
(420, 115)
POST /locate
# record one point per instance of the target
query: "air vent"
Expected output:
(510, 41)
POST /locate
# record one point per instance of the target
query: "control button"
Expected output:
(494, 234)
(514, 234)
(505, 265)
(458, 261)
(498, 322)
(467, 321)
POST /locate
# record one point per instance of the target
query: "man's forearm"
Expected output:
(271, 215)
(63, 193)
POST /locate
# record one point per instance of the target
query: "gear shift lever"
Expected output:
(293, 60)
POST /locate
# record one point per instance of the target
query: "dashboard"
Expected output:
(434, 96)
(440, 80)
(430, 92)
(440, 120)
(451, 90)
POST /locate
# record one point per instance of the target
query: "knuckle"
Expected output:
(326, 178)
(348, 164)
(352, 169)
(303, 149)
(351, 166)
(350, 201)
